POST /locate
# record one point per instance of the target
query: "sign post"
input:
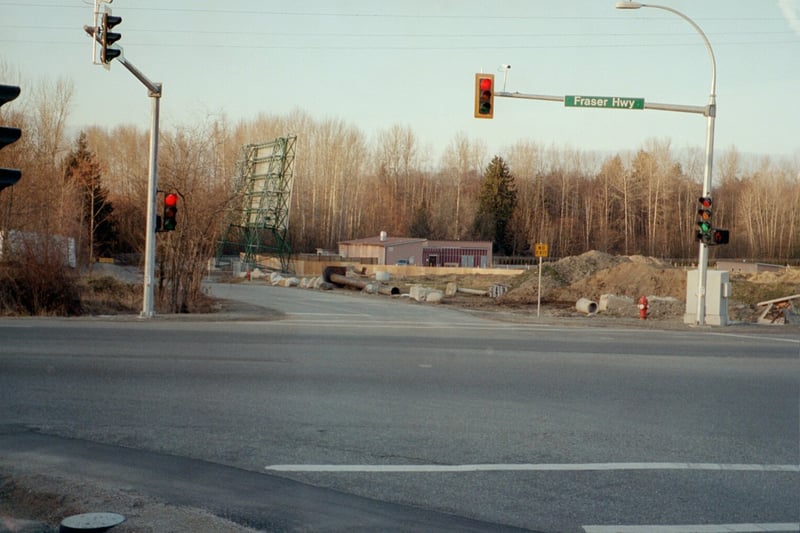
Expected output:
(539, 250)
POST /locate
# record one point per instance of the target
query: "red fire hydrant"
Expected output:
(643, 306)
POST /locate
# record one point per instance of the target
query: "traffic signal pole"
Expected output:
(154, 92)
(613, 102)
(101, 34)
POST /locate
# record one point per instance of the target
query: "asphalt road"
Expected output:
(418, 412)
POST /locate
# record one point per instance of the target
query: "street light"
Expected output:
(711, 112)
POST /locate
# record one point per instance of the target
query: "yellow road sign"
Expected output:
(540, 249)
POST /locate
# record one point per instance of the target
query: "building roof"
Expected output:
(459, 244)
(396, 241)
(387, 241)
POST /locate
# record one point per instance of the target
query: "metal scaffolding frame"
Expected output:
(259, 222)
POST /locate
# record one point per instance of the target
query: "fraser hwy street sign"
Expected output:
(613, 102)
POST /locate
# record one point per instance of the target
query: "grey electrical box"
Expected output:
(718, 291)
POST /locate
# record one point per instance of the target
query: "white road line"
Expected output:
(377, 324)
(699, 528)
(756, 337)
(542, 467)
(332, 315)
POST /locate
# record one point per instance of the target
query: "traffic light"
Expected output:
(704, 234)
(170, 210)
(8, 176)
(484, 95)
(107, 37)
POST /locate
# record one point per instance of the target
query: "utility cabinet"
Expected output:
(718, 292)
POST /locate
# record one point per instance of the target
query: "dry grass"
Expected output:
(107, 295)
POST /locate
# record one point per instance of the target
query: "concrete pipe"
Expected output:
(584, 305)
(337, 276)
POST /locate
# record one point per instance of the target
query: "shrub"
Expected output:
(38, 283)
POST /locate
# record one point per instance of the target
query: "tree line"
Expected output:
(90, 183)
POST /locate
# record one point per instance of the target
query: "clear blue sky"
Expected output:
(377, 64)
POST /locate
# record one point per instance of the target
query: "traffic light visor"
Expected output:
(8, 93)
(111, 21)
(9, 135)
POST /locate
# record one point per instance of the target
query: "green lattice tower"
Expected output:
(258, 224)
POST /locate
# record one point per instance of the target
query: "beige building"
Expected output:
(385, 250)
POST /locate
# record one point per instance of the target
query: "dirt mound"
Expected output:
(576, 268)
(628, 279)
(788, 276)
(594, 273)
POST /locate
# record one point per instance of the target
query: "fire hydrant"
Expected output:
(643, 306)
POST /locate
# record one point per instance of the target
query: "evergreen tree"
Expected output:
(83, 170)
(496, 203)
(421, 223)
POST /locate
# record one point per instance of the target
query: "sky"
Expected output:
(376, 65)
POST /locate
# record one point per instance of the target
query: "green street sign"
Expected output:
(611, 102)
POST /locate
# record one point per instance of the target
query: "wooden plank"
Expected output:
(778, 300)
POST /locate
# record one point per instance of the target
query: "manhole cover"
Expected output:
(90, 522)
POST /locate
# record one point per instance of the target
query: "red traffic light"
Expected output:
(484, 96)
(171, 200)
(170, 212)
(705, 202)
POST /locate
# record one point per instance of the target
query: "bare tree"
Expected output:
(463, 162)
(50, 111)
(395, 157)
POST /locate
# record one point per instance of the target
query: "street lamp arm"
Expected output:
(637, 5)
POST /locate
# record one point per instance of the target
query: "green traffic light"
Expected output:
(169, 222)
